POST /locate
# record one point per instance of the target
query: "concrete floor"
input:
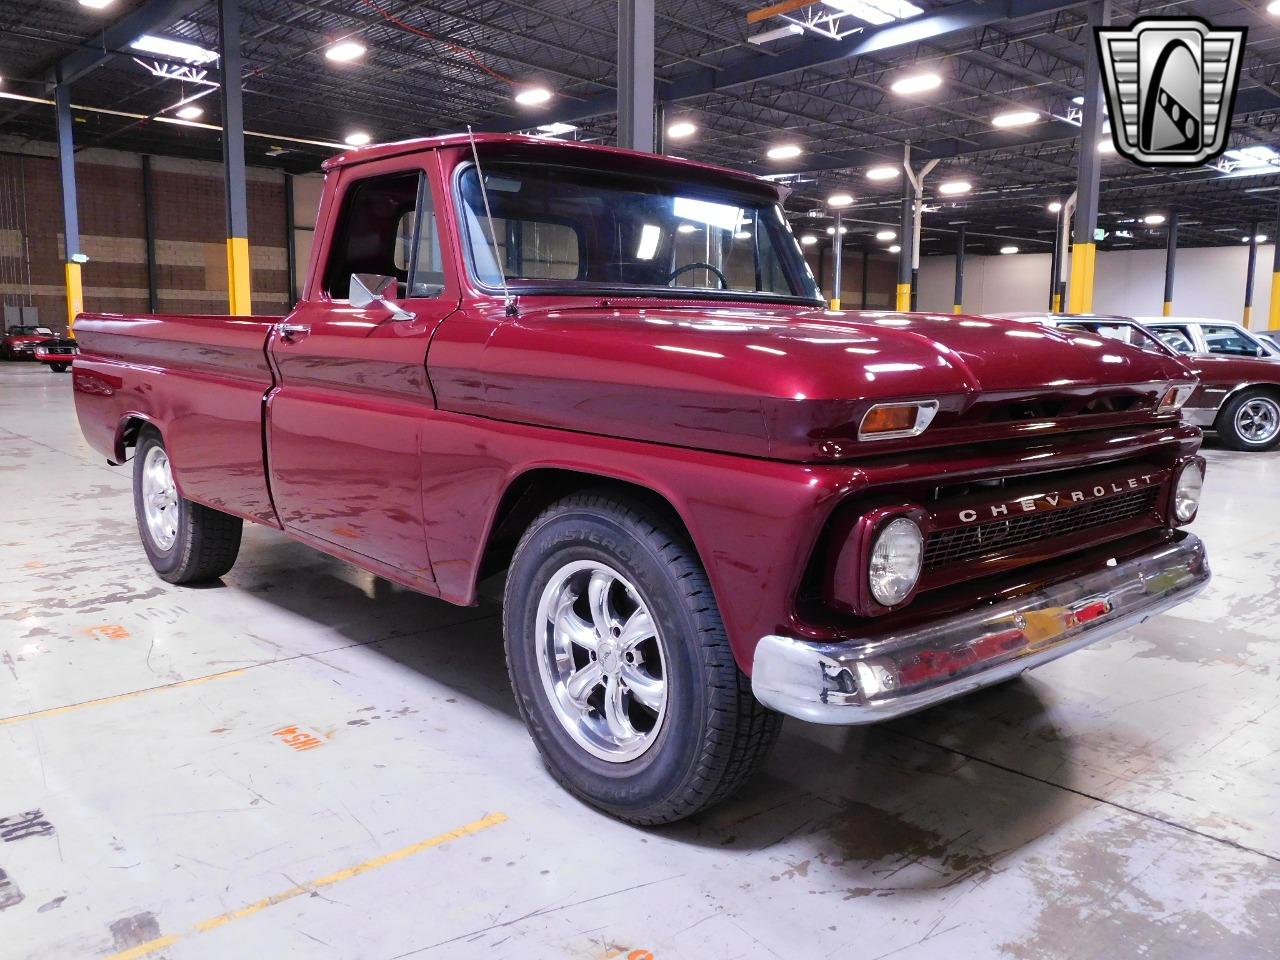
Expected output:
(305, 761)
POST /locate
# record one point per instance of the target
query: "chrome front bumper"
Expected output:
(891, 674)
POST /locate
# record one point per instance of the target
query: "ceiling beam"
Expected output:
(151, 16)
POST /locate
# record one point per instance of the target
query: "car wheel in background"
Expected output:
(620, 665)
(186, 542)
(59, 367)
(1251, 421)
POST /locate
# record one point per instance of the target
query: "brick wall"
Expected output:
(190, 228)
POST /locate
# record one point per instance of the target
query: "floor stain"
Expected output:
(53, 904)
(131, 931)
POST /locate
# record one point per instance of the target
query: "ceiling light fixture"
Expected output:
(831, 231)
(952, 187)
(174, 49)
(189, 112)
(785, 151)
(883, 173)
(1008, 250)
(96, 4)
(916, 83)
(556, 129)
(895, 249)
(1153, 219)
(839, 200)
(876, 12)
(344, 51)
(357, 138)
(1015, 118)
(682, 129)
(768, 36)
(1055, 206)
(808, 240)
(1106, 146)
(1262, 238)
(533, 96)
(886, 235)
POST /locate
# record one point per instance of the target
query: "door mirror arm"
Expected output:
(370, 288)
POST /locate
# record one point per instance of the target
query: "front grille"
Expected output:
(961, 544)
(60, 351)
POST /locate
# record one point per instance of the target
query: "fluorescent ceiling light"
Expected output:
(682, 129)
(895, 249)
(175, 49)
(686, 228)
(808, 239)
(1255, 156)
(345, 51)
(876, 12)
(1055, 206)
(1273, 7)
(532, 96)
(723, 215)
(1009, 249)
(885, 235)
(556, 129)
(648, 246)
(951, 187)
(1153, 219)
(883, 173)
(916, 83)
(839, 200)
(768, 36)
(189, 112)
(1262, 238)
(831, 231)
(357, 138)
(1078, 101)
(96, 4)
(785, 151)
(1015, 118)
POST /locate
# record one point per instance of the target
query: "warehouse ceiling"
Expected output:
(441, 65)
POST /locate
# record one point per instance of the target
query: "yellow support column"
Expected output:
(1080, 293)
(1056, 304)
(238, 276)
(955, 308)
(835, 303)
(1167, 309)
(903, 297)
(75, 297)
(1273, 312)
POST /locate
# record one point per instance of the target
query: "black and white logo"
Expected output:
(1171, 84)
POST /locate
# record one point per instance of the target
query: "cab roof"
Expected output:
(554, 149)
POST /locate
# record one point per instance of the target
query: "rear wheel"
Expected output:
(58, 367)
(620, 664)
(1251, 421)
(186, 542)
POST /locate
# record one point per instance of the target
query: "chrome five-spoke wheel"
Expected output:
(159, 498)
(602, 661)
(1258, 420)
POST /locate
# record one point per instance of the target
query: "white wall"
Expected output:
(1208, 282)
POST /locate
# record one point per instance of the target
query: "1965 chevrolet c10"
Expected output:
(606, 380)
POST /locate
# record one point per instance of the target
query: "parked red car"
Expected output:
(1239, 393)
(57, 353)
(606, 381)
(19, 343)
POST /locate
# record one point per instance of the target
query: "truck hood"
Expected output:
(788, 382)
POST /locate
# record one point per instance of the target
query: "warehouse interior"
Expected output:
(308, 757)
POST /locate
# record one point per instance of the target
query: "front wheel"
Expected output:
(185, 541)
(620, 664)
(1251, 421)
(59, 367)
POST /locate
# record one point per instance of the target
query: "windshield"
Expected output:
(564, 228)
(1129, 333)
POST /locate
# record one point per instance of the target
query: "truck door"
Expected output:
(344, 424)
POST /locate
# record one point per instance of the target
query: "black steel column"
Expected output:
(238, 289)
(866, 275)
(1273, 313)
(149, 225)
(837, 280)
(635, 74)
(1170, 251)
(902, 300)
(1084, 247)
(73, 255)
(957, 303)
(1249, 272)
(1055, 268)
(290, 241)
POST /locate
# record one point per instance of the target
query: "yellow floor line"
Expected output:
(159, 943)
(54, 711)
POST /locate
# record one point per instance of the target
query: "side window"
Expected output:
(1176, 338)
(376, 234)
(1228, 340)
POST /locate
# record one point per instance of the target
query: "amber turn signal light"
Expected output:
(1175, 397)
(885, 421)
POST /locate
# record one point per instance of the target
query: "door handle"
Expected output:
(294, 331)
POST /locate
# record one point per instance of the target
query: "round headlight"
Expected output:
(1186, 495)
(896, 557)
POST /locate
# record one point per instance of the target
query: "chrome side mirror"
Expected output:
(370, 288)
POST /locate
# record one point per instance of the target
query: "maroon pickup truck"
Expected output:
(606, 381)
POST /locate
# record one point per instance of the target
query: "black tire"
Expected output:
(59, 367)
(714, 733)
(207, 540)
(1266, 402)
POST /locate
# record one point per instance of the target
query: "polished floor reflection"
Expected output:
(304, 761)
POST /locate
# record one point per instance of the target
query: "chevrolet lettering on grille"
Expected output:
(1060, 498)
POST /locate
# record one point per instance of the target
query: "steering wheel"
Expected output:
(698, 265)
